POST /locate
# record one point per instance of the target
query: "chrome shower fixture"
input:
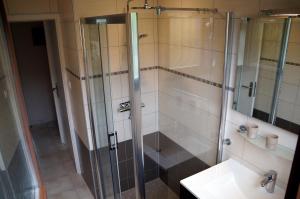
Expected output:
(159, 9)
(142, 35)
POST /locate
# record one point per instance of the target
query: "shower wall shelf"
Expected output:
(260, 142)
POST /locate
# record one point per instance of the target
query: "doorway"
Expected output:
(38, 61)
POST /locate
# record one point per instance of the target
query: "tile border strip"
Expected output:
(73, 74)
(192, 77)
(199, 79)
(219, 85)
(274, 60)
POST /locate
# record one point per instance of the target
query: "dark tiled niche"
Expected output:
(163, 159)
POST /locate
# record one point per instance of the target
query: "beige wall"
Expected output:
(31, 6)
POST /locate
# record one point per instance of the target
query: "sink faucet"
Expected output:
(269, 181)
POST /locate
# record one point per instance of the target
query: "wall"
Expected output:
(31, 6)
(35, 75)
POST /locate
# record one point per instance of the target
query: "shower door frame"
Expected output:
(131, 22)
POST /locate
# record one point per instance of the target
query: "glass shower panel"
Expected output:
(191, 54)
(17, 177)
(98, 88)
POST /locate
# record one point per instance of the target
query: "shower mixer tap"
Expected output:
(126, 106)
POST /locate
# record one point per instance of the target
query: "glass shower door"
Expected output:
(113, 90)
(104, 137)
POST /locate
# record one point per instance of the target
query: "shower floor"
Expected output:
(155, 189)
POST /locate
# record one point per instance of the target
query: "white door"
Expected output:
(54, 65)
(249, 67)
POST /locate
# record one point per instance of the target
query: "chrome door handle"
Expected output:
(115, 144)
(252, 89)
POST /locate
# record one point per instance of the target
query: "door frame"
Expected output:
(49, 37)
(21, 104)
(57, 21)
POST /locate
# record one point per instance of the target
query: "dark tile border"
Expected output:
(87, 160)
(199, 79)
(73, 74)
(274, 60)
(192, 77)
(281, 123)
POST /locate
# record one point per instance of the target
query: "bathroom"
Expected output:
(197, 80)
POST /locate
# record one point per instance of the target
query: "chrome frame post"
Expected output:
(226, 78)
(135, 100)
(280, 68)
(240, 62)
(95, 160)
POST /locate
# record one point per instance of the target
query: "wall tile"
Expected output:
(114, 59)
(40, 6)
(146, 26)
(277, 4)
(85, 8)
(150, 102)
(219, 35)
(116, 89)
(239, 7)
(113, 34)
(197, 3)
(147, 81)
(147, 55)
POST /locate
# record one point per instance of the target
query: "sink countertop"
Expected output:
(229, 179)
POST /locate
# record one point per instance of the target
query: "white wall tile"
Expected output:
(116, 88)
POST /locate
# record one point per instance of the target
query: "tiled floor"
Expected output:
(57, 167)
(155, 189)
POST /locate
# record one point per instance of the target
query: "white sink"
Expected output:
(231, 180)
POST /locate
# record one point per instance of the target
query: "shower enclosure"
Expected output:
(155, 97)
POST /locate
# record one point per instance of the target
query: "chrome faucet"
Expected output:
(269, 181)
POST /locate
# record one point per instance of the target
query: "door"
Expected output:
(54, 66)
(257, 66)
(115, 102)
(248, 65)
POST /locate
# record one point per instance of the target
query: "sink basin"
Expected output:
(229, 179)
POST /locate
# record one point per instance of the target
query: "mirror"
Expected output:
(268, 71)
